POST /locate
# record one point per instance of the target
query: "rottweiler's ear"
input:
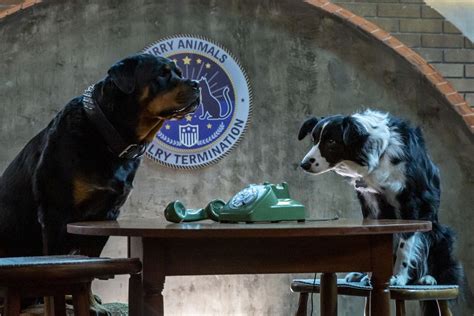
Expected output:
(307, 127)
(123, 74)
(352, 131)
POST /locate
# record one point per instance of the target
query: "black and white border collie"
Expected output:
(387, 162)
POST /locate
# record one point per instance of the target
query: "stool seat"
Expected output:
(56, 276)
(63, 267)
(441, 293)
(424, 292)
(398, 292)
(343, 287)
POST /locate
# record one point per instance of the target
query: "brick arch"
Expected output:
(446, 90)
(8, 7)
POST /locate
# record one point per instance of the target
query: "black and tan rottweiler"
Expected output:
(82, 165)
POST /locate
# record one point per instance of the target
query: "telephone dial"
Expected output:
(256, 203)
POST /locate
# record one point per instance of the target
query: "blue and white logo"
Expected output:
(188, 134)
(219, 122)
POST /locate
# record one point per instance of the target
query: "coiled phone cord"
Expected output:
(312, 293)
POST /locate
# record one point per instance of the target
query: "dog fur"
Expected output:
(67, 173)
(386, 161)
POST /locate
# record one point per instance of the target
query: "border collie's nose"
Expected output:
(308, 163)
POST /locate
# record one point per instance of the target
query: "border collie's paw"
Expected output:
(358, 277)
(398, 280)
(426, 280)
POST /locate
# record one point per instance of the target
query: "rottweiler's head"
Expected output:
(150, 90)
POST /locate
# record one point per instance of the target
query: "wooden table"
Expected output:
(208, 248)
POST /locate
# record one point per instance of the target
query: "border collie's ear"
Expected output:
(123, 74)
(307, 127)
(352, 131)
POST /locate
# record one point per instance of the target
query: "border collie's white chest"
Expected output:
(387, 179)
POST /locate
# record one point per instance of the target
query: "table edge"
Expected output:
(84, 228)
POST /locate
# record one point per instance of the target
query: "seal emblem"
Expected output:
(210, 133)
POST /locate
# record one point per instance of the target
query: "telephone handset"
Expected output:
(176, 212)
(256, 203)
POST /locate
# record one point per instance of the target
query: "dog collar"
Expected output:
(111, 135)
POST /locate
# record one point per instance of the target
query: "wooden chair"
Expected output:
(57, 276)
(439, 293)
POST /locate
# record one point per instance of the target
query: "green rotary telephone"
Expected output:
(256, 203)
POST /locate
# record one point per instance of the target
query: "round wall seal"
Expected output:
(210, 133)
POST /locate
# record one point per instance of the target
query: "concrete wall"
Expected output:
(299, 63)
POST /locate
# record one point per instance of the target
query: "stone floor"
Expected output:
(115, 309)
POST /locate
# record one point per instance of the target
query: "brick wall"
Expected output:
(427, 32)
(416, 29)
(8, 7)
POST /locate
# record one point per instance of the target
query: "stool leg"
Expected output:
(367, 306)
(302, 304)
(12, 304)
(48, 306)
(444, 308)
(328, 294)
(59, 305)
(400, 308)
(134, 294)
(81, 300)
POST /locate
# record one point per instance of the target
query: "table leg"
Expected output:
(146, 294)
(12, 303)
(302, 304)
(59, 305)
(328, 295)
(135, 296)
(382, 267)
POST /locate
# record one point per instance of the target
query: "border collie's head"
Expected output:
(335, 139)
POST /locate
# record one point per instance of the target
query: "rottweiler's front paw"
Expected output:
(96, 308)
(358, 277)
(99, 310)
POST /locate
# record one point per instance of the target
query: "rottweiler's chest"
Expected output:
(99, 195)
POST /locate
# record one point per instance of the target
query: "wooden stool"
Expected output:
(57, 276)
(439, 293)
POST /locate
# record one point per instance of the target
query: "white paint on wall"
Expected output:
(458, 12)
(115, 289)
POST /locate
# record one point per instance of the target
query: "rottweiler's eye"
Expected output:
(165, 72)
(331, 141)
